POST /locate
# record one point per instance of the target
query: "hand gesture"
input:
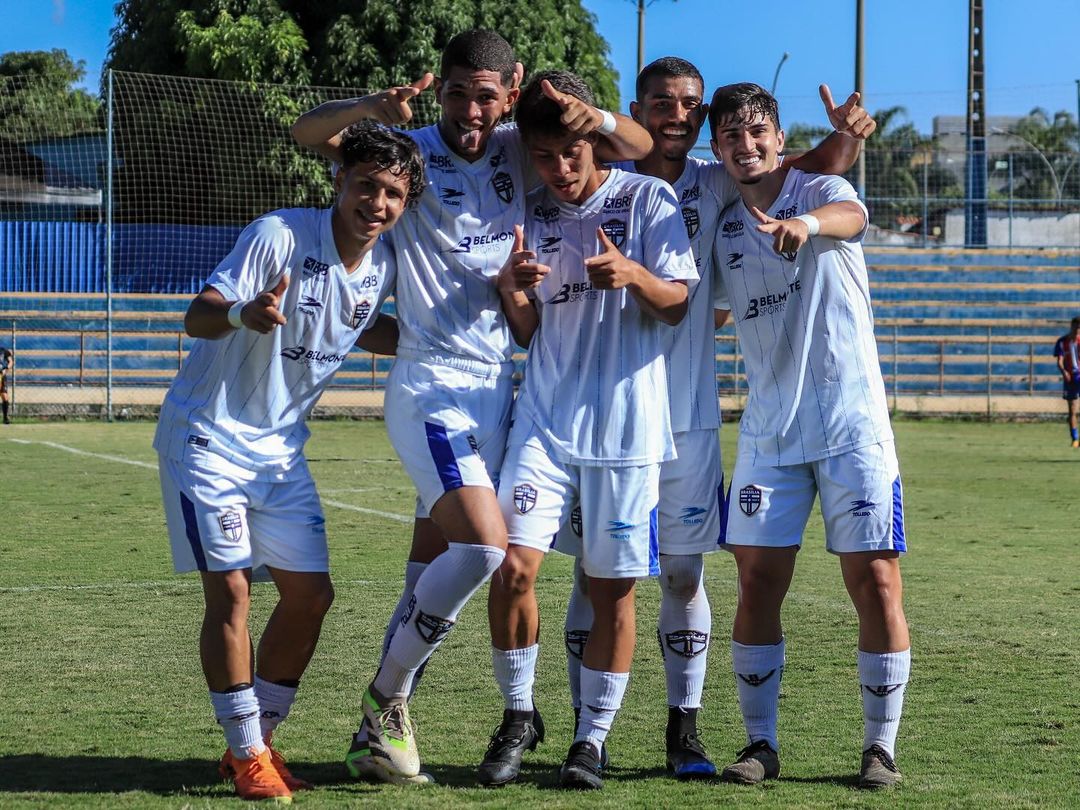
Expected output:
(789, 234)
(521, 271)
(262, 313)
(610, 270)
(391, 106)
(849, 118)
(577, 116)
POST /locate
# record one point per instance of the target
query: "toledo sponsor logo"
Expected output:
(550, 244)
(309, 357)
(770, 304)
(450, 196)
(619, 529)
(313, 267)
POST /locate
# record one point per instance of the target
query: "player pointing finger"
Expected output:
(610, 270)
(848, 118)
(521, 271)
(263, 312)
(789, 234)
(392, 106)
(577, 116)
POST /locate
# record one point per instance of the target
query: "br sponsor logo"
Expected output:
(483, 243)
(369, 282)
(313, 267)
(732, 228)
(441, 162)
(546, 214)
(620, 203)
(572, 293)
(310, 357)
(772, 304)
(690, 195)
(550, 244)
(787, 213)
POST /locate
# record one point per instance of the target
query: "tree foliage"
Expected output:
(38, 99)
(1045, 162)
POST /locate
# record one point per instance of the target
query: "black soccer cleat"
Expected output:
(519, 732)
(605, 760)
(756, 763)
(581, 770)
(686, 757)
(878, 769)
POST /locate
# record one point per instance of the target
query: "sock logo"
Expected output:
(432, 629)
(753, 679)
(882, 691)
(575, 642)
(408, 611)
(687, 643)
(270, 715)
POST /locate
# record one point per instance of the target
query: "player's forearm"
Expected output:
(320, 128)
(521, 316)
(629, 141)
(840, 220)
(208, 316)
(664, 300)
(381, 337)
(834, 155)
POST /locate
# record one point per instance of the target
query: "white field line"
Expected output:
(119, 459)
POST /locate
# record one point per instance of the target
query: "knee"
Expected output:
(680, 576)
(878, 589)
(516, 575)
(311, 602)
(760, 587)
(228, 597)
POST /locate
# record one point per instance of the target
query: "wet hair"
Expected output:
(370, 142)
(746, 101)
(479, 50)
(539, 116)
(667, 67)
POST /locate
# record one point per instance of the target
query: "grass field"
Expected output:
(102, 703)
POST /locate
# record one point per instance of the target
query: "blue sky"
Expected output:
(915, 49)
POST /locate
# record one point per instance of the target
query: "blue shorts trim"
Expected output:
(899, 541)
(442, 453)
(191, 529)
(654, 542)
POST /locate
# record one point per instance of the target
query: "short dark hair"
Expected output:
(1075, 324)
(371, 142)
(732, 98)
(479, 50)
(667, 67)
(539, 116)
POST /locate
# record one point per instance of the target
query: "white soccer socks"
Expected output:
(579, 619)
(684, 627)
(413, 570)
(275, 701)
(601, 696)
(758, 670)
(238, 714)
(441, 591)
(884, 678)
(515, 672)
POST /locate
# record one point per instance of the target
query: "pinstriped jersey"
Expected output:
(595, 378)
(246, 396)
(806, 331)
(452, 244)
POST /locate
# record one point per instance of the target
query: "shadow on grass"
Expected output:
(845, 780)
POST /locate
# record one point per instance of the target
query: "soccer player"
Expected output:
(273, 323)
(449, 393)
(605, 274)
(816, 424)
(670, 105)
(6, 356)
(1067, 352)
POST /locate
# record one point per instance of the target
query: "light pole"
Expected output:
(776, 75)
(641, 6)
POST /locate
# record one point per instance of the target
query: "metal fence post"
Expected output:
(109, 256)
(925, 203)
(82, 354)
(941, 368)
(1031, 368)
(14, 365)
(895, 367)
(989, 379)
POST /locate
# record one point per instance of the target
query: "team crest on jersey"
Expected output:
(685, 643)
(789, 254)
(360, 314)
(575, 520)
(692, 221)
(504, 186)
(749, 499)
(575, 642)
(231, 526)
(524, 498)
(615, 229)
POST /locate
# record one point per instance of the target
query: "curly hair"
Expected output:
(370, 142)
(539, 116)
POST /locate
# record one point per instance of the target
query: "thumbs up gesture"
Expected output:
(392, 106)
(789, 234)
(262, 313)
(521, 271)
(577, 116)
(609, 269)
(849, 118)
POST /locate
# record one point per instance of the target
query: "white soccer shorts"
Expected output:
(692, 495)
(862, 502)
(612, 510)
(447, 425)
(221, 520)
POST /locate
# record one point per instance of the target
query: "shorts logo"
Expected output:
(619, 529)
(231, 526)
(432, 629)
(749, 499)
(575, 642)
(692, 221)
(504, 186)
(692, 515)
(524, 497)
(615, 229)
(575, 521)
(473, 444)
(360, 314)
(686, 643)
(862, 508)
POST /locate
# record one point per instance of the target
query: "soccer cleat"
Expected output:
(256, 777)
(605, 760)
(294, 783)
(520, 731)
(756, 763)
(362, 765)
(878, 769)
(686, 757)
(391, 742)
(581, 770)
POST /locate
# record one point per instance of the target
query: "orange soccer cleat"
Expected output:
(292, 782)
(255, 777)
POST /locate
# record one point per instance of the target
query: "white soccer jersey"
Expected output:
(595, 380)
(452, 244)
(806, 331)
(246, 396)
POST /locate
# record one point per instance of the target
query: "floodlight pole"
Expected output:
(109, 256)
(776, 76)
(641, 6)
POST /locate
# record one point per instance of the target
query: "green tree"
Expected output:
(1045, 160)
(38, 99)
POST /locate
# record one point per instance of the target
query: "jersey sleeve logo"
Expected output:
(504, 186)
(692, 221)
(615, 229)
